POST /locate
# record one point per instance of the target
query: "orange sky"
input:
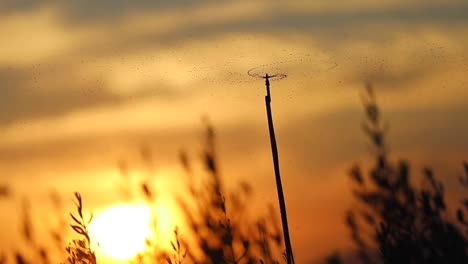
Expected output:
(86, 84)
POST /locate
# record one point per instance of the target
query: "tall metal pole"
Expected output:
(279, 185)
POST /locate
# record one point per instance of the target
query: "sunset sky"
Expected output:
(87, 84)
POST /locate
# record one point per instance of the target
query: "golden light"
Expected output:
(166, 223)
(120, 232)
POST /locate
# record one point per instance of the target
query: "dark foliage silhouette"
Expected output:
(461, 212)
(80, 252)
(407, 224)
(216, 216)
(221, 232)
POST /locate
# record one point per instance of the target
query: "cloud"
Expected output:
(188, 77)
(24, 97)
(90, 9)
(173, 27)
(136, 26)
(44, 91)
(36, 36)
(162, 59)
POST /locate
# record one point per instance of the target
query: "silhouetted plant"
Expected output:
(408, 224)
(461, 212)
(80, 252)
(222, 234)
(154, 253)
(333, 259)
(4, 191)
(35, 246)
(180, 250)
(57, 232)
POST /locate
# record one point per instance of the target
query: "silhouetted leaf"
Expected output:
(78, 229)
(75, 219)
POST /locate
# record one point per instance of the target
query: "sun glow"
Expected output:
(165, 223)
(120, 232)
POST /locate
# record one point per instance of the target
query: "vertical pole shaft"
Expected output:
(279, 185)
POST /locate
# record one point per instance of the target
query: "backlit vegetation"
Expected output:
(395, 220)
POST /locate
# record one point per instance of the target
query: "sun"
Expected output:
(120, 231)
